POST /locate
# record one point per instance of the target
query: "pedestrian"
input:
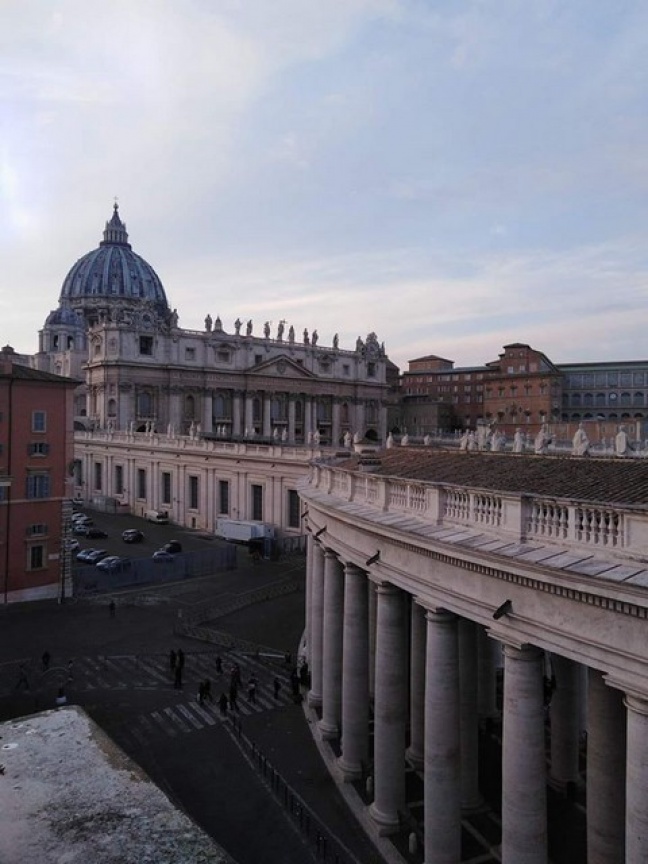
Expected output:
(173, 659)
(23, 681)
(304, 674)
(201, 693)
(177, 683)
(207, 691)
(222, 704)
(252, 686)
(70, 668)
(233, 704)
(294, 681)
(276, 684)
(61, 698)
(235, 676)
(219, 665)
(181, 658)
(46, 660)
(111, 608)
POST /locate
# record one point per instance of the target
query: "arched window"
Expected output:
(221, 406)
(625, 398)
(638, 398)
(190, 407)
(299, 411)
(112, 408)
(256, 410)
(600, 400)
(576, 400)
(344, 414)
(588, 400)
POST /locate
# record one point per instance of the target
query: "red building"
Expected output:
(36, 452)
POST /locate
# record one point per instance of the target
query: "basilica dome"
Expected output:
(113, 273)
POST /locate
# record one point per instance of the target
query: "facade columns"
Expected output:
(236, 413)
(267, 418)
(415, 751)
(487, 684)
(524, 794)
(249, 414)
(637, 780)
(207, 422)
(317, 622)
(606, 782)
(308, 428)
(291, 418)
(332, 646)
(565, 717)
(442, 741)
(469, 718)
(390, 709)
(335, 422)
(355, 674)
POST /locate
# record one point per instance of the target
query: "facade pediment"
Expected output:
(282, 367)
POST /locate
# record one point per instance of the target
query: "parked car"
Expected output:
(77, 501)
(162, 555)
(173, 546)
(132, 535)
(83, 554)
(95, 532)
(72, 545)
(96, 555)
(81, 528)
(113, 563)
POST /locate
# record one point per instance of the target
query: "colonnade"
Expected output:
(428, 675)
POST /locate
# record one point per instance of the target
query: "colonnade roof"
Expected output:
(612, 481)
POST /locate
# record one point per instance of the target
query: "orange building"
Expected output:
(36, 453)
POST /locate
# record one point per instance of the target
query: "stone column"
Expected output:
(565, 716)
(415, 752)
(390, 711)
(308, 629)
(359, 419)
(524, 794)
(267, 418)
(487, 684)
(355, 674)
(637, 780)
(291, 418)
(207, 421)
(606, 780)
(317, 622)
(372, 639)
(469, 719)
(236, 413)
(335, 422)
(332, 646)
(442, 779)
(308, 427)
(249, 413)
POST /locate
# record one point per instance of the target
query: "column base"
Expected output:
(314, 700)
(328, 731)
(350, 770)
(386, 823)
(416, 760)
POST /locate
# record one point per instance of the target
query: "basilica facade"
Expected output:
(147, 380)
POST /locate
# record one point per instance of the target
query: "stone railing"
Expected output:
(519, 517)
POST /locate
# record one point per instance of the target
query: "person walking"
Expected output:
(252, 688)
(276, 684)
(222, 704)
(177, 682)
(207, 693)
(181, 658)
(173, 659)
(46, 660)
(111, 608)
(233, 694)
(219, 665)
(201, 693)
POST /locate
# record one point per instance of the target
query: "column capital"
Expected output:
(329, 553)
(638, 704)
(386, 588)
(439, 616)
(353, 569)
(525, 652)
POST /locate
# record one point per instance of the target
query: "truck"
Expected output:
(244, 530)
(160, 517)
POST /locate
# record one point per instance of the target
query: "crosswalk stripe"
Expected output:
(174, 717)
(184, 710)
(206, 715)
(160, 721)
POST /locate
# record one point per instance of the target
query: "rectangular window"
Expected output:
(190, 354)
(39, 421)
(119, 479)
(141, 482)
(223, 496)
(146, 345)
(35, 530)
(345, 368)
(98, 476)
(38, 448)
(371, 370)
(258, 359)
(36, 557)
(38, 486)
(193, 492)
(257, 502)
(166, 487)
(294, 514)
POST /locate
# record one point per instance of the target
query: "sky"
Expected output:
(453, 176)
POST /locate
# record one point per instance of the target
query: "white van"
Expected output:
(161, 517)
